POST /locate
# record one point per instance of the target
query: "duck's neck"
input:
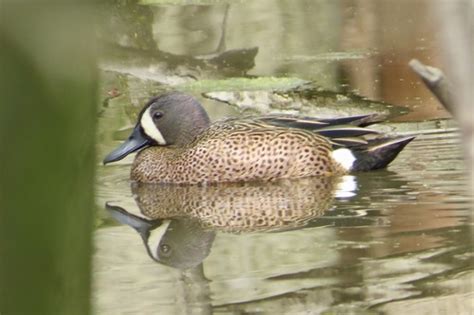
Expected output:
(192, 126)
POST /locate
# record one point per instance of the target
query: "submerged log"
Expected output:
(436, 81)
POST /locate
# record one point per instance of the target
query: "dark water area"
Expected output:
(383, 242)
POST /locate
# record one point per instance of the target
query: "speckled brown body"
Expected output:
(238, 151)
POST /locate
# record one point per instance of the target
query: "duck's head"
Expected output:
(180, 243)
(169, 119)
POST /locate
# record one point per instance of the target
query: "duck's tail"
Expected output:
(378, 153)
(353, 144)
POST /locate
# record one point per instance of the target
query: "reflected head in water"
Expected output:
(178, 144)
(178, 243)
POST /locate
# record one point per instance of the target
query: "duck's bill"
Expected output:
(141, 225)
(136, 141)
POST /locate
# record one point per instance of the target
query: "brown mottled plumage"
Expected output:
(181, 145)
(238, 151)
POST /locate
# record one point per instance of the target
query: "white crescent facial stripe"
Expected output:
(155, 238)
(150, 128)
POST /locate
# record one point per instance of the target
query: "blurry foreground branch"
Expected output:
(47, 131)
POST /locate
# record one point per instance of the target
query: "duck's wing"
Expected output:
(371, 149)
(342, 131)
(312, 123)
(305, 122)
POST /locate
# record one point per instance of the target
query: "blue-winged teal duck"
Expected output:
(179, 144)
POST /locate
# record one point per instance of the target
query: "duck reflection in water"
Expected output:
(178, 224)
(180, 243)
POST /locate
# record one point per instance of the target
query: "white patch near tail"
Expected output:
(344, 157)
(155, 237)
(150, 128)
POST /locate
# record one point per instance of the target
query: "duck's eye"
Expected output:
(157, 115)
(165, 249)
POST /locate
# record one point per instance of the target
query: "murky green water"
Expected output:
(390, 241)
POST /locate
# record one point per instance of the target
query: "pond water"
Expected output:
(383, 242)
